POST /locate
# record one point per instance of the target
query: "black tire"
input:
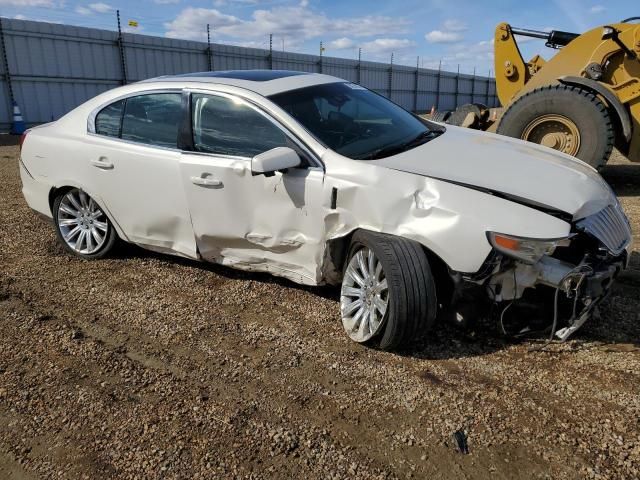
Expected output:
(441, 116)
(480, 110)
(110, 235)
(412, 303)
(583, 108)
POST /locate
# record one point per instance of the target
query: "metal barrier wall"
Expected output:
(49, 69)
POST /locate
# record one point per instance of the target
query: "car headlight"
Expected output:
(529, 250)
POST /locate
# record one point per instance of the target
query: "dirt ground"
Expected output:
(148, 366)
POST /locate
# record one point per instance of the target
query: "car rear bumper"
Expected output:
(36, 192)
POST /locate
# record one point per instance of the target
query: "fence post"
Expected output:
(320, 60)
(391, 76)
(486, 95)
(473, 86)
(209, 53)
(457, 86)
(359, 67)
(415, 97)
(271, 51)
(120, 42)
(438, 85)
(7, 74)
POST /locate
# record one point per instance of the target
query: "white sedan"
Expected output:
(320, 180)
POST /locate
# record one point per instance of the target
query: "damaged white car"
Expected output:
(319, 180)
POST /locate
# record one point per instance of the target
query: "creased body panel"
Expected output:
(448, 219)
(272, 224)
(511, 166)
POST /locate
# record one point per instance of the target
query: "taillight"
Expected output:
(23, 137)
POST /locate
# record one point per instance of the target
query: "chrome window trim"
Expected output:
(258, 108)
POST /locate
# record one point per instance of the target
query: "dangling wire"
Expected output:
(515, 292)
(579, 270)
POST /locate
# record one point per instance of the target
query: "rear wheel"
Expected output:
(388, 295)
(565, 118)
(81, 225)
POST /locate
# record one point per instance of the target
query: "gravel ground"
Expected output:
(148, 366)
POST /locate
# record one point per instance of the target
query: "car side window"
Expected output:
(108, 120)
(152, 119)
(227, 127)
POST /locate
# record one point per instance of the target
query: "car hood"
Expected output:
(521, 171)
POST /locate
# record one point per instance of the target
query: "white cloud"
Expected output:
(469, 56)
(191, 23)
(165, 2)
(290, 22)
(100, 7)
(94, 8)
(376, 48)
(387, 45)
(454, 25)
(450, 32)
(222, 3)
(341, 43)
(440, 36)
(597, 9)
(30, 3)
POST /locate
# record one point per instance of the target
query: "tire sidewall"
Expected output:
(579, 106)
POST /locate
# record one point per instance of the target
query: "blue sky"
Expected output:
(456, 32)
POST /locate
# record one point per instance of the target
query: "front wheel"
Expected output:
(81, 225)
(388, 295)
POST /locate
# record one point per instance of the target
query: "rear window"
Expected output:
(109, 120)
(152, 119)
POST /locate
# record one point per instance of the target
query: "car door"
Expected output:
(137, 170)
(255, 222)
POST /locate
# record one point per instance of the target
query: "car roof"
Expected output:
(263, 82)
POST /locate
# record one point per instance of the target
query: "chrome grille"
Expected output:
(610, 226)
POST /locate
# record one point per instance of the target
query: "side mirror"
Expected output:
(269, 162)
(608, 33)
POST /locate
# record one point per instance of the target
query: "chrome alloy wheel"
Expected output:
(83, 225)
(364, 297)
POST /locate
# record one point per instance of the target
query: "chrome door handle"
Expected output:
(102, 162)
(206, 181)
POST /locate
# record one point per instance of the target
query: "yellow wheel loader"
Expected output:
(583, 101)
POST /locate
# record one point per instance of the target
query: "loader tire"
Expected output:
(565, 118)
(440, 116)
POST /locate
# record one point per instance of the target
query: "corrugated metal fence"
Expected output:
(53, 68)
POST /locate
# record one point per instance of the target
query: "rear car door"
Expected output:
(266, 223)
(137, 170)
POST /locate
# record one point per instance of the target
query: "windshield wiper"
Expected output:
(423, 138)
(389, 150)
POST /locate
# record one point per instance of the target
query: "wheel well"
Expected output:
(54, 192)
(338, 249)
(617, 110)
(445, 286)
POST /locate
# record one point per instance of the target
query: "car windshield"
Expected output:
(356, 122)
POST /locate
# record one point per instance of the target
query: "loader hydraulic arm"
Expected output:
(512, 72)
